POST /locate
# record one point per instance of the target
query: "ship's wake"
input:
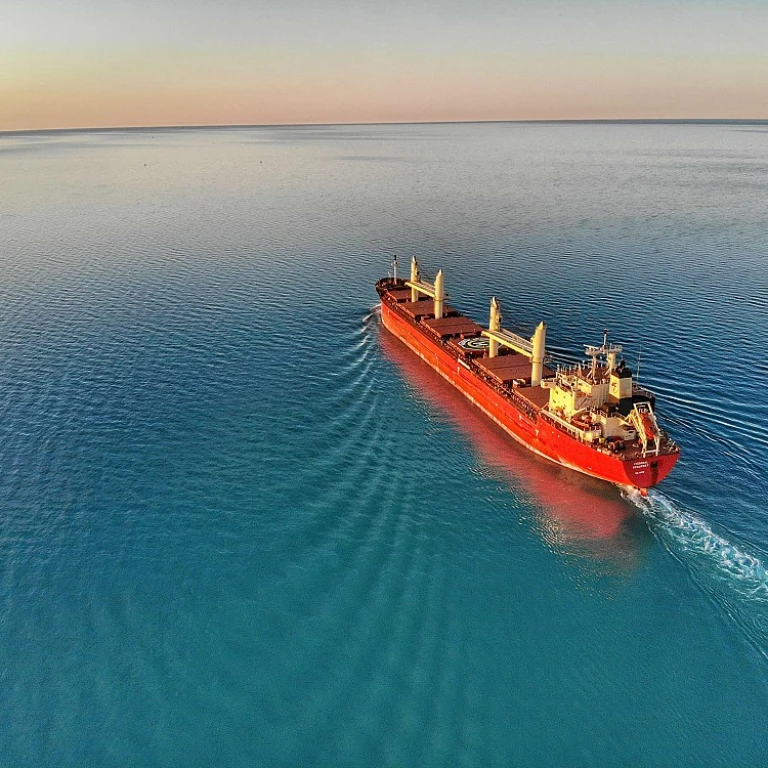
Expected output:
(683, 531)
(726, 573)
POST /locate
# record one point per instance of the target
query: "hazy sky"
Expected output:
(77, 63)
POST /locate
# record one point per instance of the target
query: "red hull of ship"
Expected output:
(539, 435)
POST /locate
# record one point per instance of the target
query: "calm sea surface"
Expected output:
(241, 526)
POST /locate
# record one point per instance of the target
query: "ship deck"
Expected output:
(507, 369)
(509, 372)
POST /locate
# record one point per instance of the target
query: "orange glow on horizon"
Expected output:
(212, 83)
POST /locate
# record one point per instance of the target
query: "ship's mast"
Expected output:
(435, 290)
(494, 324)
(415, 278)
(439, 296)
(538, 343)
(609, 351)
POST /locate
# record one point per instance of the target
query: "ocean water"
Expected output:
(240, 525)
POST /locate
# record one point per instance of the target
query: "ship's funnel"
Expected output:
(415, 277)
(538, 340)
(494, 324)
(439, 295)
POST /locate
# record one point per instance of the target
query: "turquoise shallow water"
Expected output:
(241, 526)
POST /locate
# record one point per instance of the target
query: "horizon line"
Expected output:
(572, 121)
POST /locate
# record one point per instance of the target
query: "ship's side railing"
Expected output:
(643, 392)
(523, 405)
(574, 432)
(566, 426)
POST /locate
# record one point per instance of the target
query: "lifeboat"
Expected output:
(648, 426)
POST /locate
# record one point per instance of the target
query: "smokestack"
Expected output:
(439, 295)
(494, 324)
(537, 359)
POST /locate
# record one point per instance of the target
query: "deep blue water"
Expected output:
(240, 526)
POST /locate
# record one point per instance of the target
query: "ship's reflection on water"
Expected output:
(575, 514)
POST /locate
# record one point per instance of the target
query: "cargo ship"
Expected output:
(592, 416)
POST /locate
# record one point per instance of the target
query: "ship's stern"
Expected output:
(645, 472)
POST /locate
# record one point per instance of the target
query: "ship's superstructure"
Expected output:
(593, 416)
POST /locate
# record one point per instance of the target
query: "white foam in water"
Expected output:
(691, 534)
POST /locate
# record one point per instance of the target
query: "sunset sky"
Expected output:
(88, 63)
